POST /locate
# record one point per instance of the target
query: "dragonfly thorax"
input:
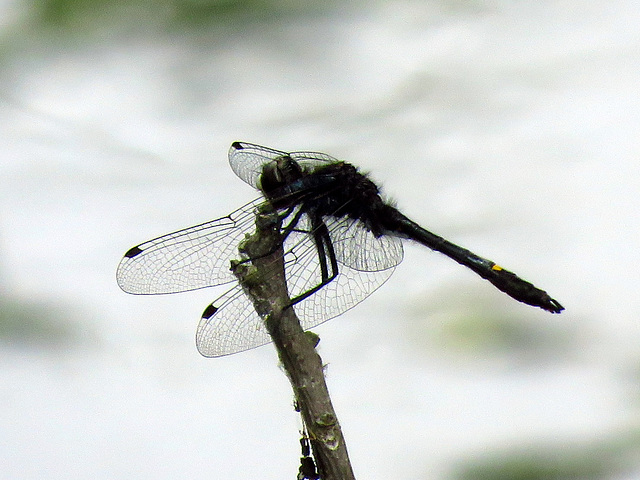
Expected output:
(332, 190)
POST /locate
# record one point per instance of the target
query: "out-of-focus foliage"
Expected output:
(93, 15)
(488, 332)
(37, 323)
(471, 326)
(566, 461)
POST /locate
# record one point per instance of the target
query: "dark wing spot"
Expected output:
(209, 312)
(133, 252)
(237, 145)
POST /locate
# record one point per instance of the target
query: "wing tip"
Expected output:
(133, 252)
(209, 312)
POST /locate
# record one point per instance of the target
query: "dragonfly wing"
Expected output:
(357, 248)
(347, 290)
(309, 161)
(350, 287)
(230, 325)
(188, 259)
(247, 160)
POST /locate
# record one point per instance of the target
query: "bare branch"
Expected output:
(263, 279)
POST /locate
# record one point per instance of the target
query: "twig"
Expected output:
(263, 280)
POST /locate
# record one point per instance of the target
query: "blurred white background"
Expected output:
(511, 128)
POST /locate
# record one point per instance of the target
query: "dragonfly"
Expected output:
(341, 242)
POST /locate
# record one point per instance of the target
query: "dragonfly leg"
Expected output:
(291, 226)
(324, 246)
(285, 232)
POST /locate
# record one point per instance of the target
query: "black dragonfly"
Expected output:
(341, 241)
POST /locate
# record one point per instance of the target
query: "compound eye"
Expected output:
(278, 173)
(271, 178)
(288, 168)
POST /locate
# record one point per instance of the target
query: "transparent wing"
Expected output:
(349, 288)
(247, 159)
(357, 248)
(188, 259)
(231, 325)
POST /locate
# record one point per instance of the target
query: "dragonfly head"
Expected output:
(278, 173)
